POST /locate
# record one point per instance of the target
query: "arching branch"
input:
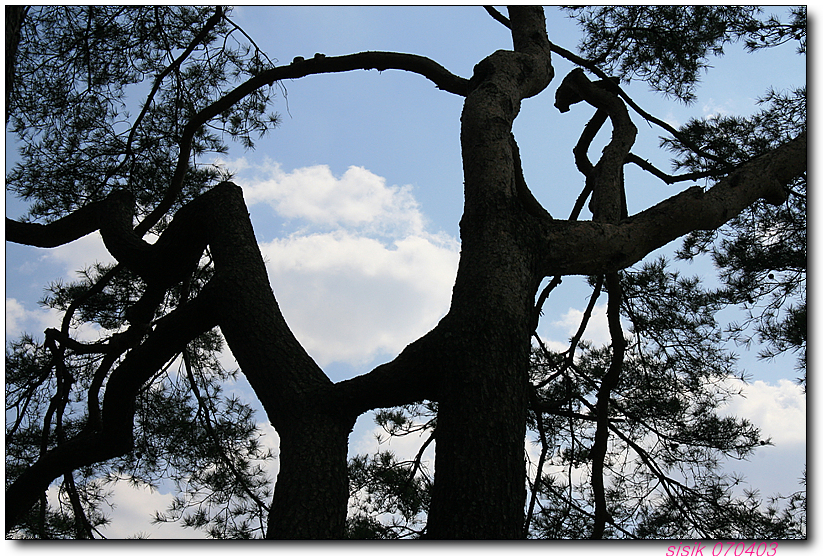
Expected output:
(114, 437)
(78, 224)
(380, 61)
(592, 67)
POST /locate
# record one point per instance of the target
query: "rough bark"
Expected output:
(312, 486)
(479, 487)
(587, 248)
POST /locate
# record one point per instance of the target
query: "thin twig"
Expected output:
(498, 16)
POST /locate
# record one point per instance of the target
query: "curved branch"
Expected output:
(380, 61)
(581, 159)
(592, 67)
(588, 248)
(114, 438)
(605, 179)
(76, 346)
(78, 224)
(82, 221)
(581, 149)
(410, 377)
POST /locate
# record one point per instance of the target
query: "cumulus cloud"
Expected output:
(134, 509)
(67, 259)
(362, 276)
(349, 297)
(779, 410)
(21, 320)
(356, 199)
(81, 252)
(15, 314)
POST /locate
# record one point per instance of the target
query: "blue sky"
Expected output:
(357, 196)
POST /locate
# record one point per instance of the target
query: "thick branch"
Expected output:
(380, 61)
(293, 390)
(527, 199)
(410, 377)
(14, 21)
(592, 67)
(78, 224)
(82, 221)
(297, 69)
(593, 247)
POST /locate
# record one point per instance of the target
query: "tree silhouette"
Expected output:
(84, 170)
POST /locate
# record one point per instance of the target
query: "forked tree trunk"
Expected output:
(475, 363)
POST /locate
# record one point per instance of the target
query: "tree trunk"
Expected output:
(480, 477)
(474, 364)
(311, 491)
(479, 488)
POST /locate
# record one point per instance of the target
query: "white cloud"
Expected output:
(779, 410)
(134, 507)
(597, 329)
(713, 109)
(68, 259)
(362, 276)
(15, 314)
(133, 511)
(357, 199)
(349, 297)
(20, 320)
(80, 253)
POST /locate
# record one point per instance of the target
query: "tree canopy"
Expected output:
(118, 112)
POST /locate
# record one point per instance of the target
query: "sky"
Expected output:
(356, 199)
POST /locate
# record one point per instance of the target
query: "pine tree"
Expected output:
(147, 403)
